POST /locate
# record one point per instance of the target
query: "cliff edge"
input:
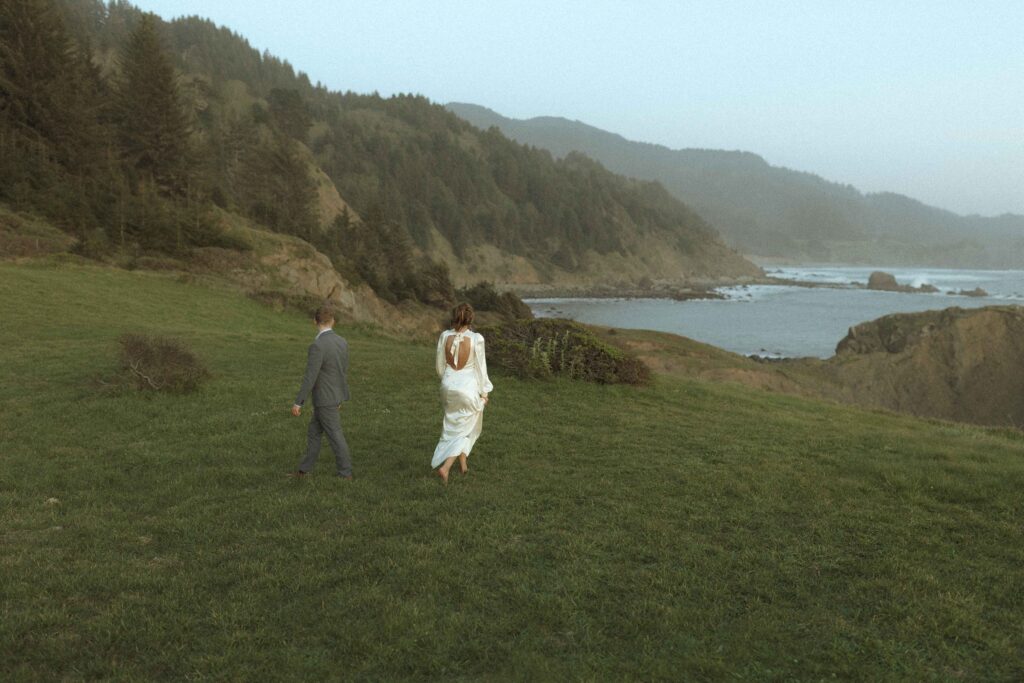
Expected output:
(958, 364)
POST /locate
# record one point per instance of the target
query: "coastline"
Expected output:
(689, 291)
(707, 289)
(686, 290)
(781, 315)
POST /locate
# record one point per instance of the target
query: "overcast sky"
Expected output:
(924, 98)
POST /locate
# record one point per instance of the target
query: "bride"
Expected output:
(462, 367)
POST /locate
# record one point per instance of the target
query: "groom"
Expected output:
(326, 370)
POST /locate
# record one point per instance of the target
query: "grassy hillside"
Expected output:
(685, 530)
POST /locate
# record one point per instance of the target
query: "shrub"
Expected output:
(160, 364)
(484, 297)
(282, 301)
(512, 307)
(550, 346)
(158, 263)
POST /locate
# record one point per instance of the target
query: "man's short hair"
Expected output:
(323, 315)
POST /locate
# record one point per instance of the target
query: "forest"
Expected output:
(134, 134)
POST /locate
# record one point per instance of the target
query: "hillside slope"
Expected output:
(772, 211)
(684, 530)
(255, 137)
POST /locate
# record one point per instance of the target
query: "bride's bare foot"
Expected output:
(463, 465)
(445, 468)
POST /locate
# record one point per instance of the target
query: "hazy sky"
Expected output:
(925, 98)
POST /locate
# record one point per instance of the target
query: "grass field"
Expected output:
(683, 531)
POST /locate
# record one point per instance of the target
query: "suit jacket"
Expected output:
(326, 371)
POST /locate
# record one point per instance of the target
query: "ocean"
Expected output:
(788, 320)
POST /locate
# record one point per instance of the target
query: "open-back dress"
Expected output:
(461, 389)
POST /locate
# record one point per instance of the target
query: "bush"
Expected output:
(305, 304)
(146, 262)
(550, 346)
(484, 297)
(160, 364)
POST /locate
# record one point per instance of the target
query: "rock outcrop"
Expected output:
(976, 292)
(886, 282)
(958, 364)
(955, 364)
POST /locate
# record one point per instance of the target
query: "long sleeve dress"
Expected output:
(461, 395)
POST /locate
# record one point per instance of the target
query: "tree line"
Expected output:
(107, 159)
(134, 134)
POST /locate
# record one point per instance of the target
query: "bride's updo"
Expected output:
(462, 316)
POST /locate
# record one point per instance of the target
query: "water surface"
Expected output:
(788, 320)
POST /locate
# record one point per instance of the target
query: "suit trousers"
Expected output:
(326, 421)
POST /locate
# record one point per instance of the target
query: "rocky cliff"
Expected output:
(957, 364)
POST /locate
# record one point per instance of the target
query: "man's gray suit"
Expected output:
(327, 378)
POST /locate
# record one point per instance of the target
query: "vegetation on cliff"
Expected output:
(548, 347)
(128, 131)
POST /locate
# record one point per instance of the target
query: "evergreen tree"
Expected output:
(274, 187)
(52, 139)
(37, 69)
(152, 121)
(289, 113)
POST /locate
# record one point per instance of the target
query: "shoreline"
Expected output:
(708, 290)
(677, 292)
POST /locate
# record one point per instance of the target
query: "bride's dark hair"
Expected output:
(462, 316)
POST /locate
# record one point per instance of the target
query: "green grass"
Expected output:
(685, 530)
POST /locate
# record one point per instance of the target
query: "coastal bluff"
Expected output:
(957, 364)
(965, 365)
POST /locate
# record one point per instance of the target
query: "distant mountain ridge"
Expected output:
(777, 212)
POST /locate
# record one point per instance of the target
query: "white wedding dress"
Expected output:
(461, 395)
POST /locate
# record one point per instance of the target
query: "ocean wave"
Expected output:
(823, 276)
(1001, 282)
(754, 292)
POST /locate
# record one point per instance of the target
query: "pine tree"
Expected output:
(51, 134)
(37, 64)
(152, 121)
(32, 50)
(289, 113)
(274, 187)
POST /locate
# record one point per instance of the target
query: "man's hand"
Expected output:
(296, 410)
